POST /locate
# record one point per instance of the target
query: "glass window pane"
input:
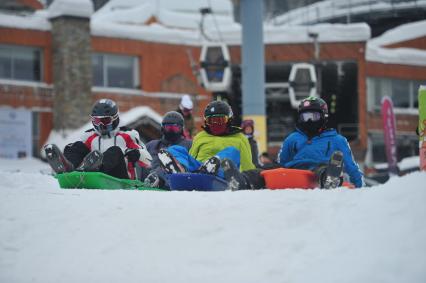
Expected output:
(401, 93)
(5, 63)
(120, 71)
(97, 70)
(215, 64)
(26, 64)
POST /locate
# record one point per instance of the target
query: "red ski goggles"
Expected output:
(217, 120)
(310, 115)
(172, 128)
(104, 120)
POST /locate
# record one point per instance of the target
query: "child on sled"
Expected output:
(105, 148)
(312, 146)
(218, 140)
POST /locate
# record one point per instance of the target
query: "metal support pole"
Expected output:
(253, 68)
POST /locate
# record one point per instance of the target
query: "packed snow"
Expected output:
(50, 234)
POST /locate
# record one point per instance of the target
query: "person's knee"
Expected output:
(114, 151)
(177, 149)
(76, 148)
(112, 157)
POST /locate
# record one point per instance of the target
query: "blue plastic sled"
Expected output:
(196, 182)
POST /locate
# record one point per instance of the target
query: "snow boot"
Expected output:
(152, 180)
(169, 163)
(91, 162)
(236, 180)
(210, 166)
(331, 178)
(56, 159)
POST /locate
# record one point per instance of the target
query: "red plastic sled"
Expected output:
(284, 178)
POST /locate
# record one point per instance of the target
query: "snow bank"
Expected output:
(368, 235)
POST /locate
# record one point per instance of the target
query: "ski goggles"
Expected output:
(310, 115)
(186, 110)
(104, 120)
(172, 128)
(217, 120)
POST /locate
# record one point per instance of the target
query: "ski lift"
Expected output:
(215, 67)
(302, 83)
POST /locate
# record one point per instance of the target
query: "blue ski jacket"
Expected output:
(298, 151)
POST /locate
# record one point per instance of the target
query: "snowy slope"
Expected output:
(52, 235)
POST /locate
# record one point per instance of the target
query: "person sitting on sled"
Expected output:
(218, 140)
(312, 146)
(105, 148)
(172, 129)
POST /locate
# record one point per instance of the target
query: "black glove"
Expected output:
(133, 155)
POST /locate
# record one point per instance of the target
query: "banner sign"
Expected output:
(389, 130)
(15, 133)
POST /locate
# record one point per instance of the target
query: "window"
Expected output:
(115, 71)
(20, 63)
(407, 145)
(404, 93)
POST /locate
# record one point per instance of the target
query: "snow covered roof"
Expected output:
(331, 9)
(401, 33)
(75, 8)
(377, 51)
(177, 22)
(37, 21)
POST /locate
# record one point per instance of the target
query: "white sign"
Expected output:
(15, 133)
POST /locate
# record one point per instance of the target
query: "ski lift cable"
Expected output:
(215, 22)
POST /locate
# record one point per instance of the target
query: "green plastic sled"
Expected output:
(100, 181)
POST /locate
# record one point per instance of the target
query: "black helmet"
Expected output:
(172, 126)
(315, 104)
(173, 117)
(218, 107)
(315, 122)
(105, 116)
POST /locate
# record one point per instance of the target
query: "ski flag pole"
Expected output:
(389, 130)
(422, 127)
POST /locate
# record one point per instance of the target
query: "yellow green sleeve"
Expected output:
(246, 162)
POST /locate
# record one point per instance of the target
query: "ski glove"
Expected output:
(133, 155)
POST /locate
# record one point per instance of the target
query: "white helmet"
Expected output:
(186, 102)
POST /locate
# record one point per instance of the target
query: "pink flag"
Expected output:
(389, 130)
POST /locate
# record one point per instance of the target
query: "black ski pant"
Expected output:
(113, 162)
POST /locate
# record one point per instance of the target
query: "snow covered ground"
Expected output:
(51, 235)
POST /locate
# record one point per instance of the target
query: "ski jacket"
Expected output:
(154, 147)
(124, 138)
(189, 125)
(254, 151)
(206, 145)
(298, 151)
